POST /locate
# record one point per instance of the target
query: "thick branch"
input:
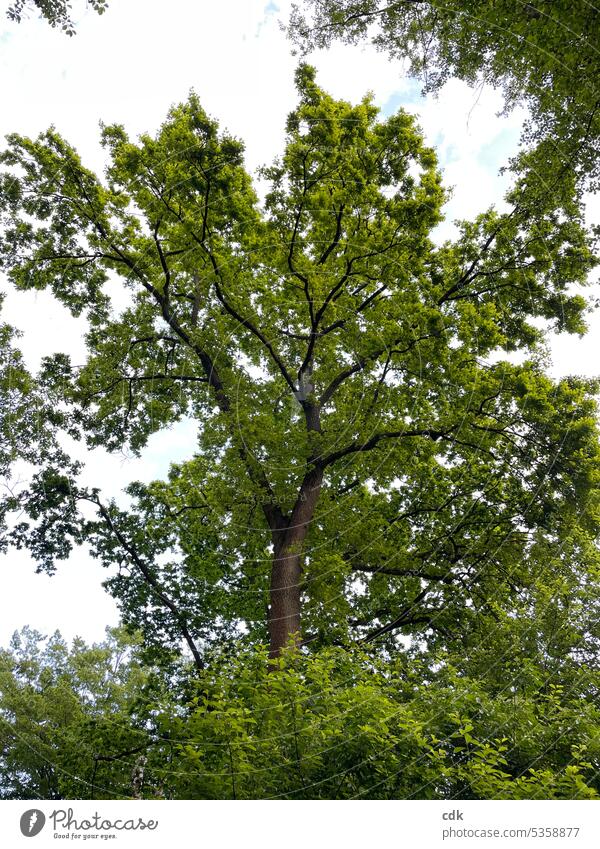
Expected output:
(446, 578)
(151, 581)
(336, 238)
(356, 447)
(401, 619)
(365, 360)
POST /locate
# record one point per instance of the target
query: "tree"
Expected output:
(543, 54)
(370, 462)
(56, 12)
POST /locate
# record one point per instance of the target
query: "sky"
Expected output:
(129, 66)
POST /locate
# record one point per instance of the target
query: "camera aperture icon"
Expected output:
(32, 822)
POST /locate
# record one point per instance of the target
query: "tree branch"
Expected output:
(356, 447)
(149, 578)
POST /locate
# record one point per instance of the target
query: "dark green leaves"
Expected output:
(56, 12)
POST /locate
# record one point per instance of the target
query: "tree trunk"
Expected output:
(284, 609)
(286, 569)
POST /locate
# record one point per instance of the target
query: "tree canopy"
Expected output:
(94, 722)
(64, 712)
(343, 370)
(389, 499)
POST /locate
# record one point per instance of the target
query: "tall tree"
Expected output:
(369, 461)
(543, 54)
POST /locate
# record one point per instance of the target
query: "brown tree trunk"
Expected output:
(286, 569)
(284, 609)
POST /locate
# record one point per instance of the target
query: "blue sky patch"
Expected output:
(496, 153)
(411, 96)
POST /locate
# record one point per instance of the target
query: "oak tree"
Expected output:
(380, 452)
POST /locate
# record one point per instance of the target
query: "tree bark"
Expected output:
(284, 608)
(286, 570)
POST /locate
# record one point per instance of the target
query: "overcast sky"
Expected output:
(129, 66)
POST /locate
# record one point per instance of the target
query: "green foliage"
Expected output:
(543, 54)
(29, 419)
(15, 391)
(56, 12)
(320, 337)
(67, 716)
(339, 724)
(357, 409)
